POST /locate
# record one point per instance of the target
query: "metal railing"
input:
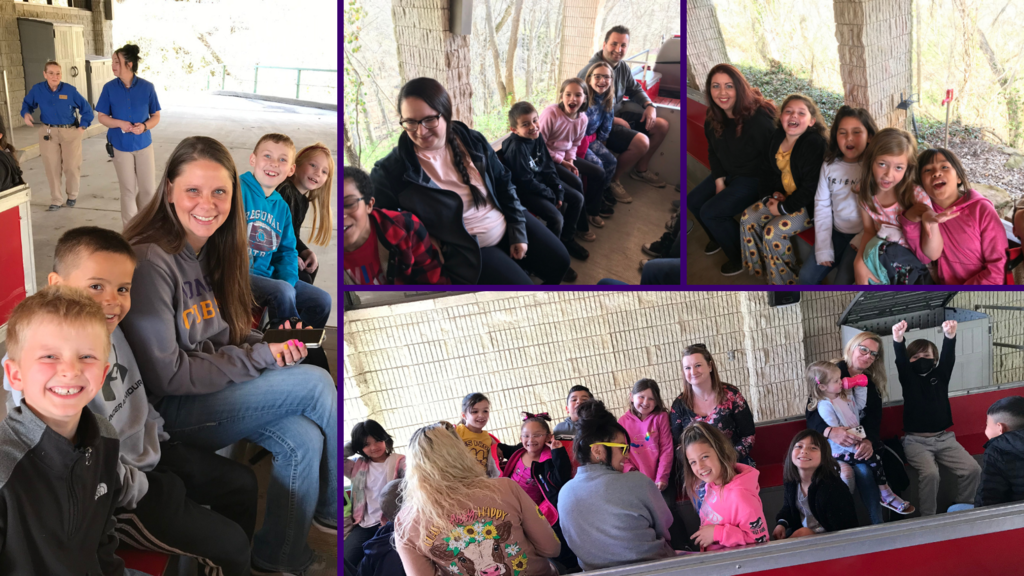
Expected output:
(222, 72)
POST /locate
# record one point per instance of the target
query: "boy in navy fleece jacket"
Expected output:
(537, 184)
(273, 260)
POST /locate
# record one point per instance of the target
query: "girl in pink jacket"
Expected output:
(963, 234)
(726, 494)
(650, 436)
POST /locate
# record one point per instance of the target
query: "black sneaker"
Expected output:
(731, 268)
(71, 203)
(609, 199)
(570, 276)
(575, 249)
(659, 247)
(606, 211)
(712, 248)
(53, 208)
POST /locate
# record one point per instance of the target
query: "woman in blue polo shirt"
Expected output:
(60, 132)
(129, 107)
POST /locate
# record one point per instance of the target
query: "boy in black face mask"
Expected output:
(927, 416)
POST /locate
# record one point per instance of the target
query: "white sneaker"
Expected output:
(619, 192)
(325, 526)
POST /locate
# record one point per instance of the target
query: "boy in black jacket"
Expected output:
(59, 481)
(1002, 478)
(927, 416)
(537, 183)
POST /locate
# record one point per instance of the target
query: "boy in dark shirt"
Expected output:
(537, 184)
(927, 416)
(1002, 479)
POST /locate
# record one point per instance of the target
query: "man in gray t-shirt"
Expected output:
(635, 136)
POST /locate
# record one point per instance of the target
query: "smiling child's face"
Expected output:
(528, 126)
(271, 163)
(940, 180)
(852, 138)
(107, 278)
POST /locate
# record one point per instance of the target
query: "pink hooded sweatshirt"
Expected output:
(735, 510)
(562, 134)
(974, 243)
(651, 445)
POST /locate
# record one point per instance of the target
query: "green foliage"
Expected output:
(494, 124)
(780, 81)
(933, 131)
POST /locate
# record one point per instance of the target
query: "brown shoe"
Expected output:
(587, 236)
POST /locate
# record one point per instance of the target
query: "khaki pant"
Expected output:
(136, 175)
(61, 153)
(926, 455)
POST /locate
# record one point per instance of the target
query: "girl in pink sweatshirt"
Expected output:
(965, 237)
(650, 436)
(725, 494)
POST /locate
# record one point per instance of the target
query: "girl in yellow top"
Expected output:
(797, 151)
(485, 448)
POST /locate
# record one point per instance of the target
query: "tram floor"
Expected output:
(236, 122)
(616, 253)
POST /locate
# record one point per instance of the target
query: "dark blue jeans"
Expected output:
(716, 213)
(285, 301)
(812, 272)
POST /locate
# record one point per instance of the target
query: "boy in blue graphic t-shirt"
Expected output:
(273, 260)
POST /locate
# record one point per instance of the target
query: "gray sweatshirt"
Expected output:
(177, 332)
(122, 402)
(625, 84)
(612, 518)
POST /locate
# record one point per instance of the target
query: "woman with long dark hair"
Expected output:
(210, 376)
(128, 106)
(450, 178)
(739, 127)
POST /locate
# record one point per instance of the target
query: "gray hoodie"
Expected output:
(122, 402)
(177, 332)
(612, 518)
(625, 84)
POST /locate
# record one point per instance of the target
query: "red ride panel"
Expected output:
(12, 281)
(696, 142)
(996, 553)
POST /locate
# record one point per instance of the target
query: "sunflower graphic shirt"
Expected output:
(506, 536)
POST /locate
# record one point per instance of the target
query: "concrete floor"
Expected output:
(237, 123)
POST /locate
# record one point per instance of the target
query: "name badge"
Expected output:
(63, 97)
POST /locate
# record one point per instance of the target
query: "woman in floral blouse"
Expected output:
(706, 398)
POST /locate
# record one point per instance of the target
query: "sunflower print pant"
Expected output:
(768, 239)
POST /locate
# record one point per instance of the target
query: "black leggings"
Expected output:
(546, 257)
(592, 195)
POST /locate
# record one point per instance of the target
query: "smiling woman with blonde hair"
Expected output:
(861, 355)
(453, 515)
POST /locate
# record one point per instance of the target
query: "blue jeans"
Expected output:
(662, 271)
(285, 301)
(870, 495)
(293, 413)
(813, 273)
(716, 213)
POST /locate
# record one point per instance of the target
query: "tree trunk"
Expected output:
(1014, 101)
(531, 35)
(494, 53)
(763, 26)
(556, 41)
(351, 155)
(510, 56)
(504, 17)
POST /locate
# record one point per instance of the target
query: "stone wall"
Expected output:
(579, 18)
(426, 47)
(874, 55)
(409, 365)
(705, 47)
(98, 39)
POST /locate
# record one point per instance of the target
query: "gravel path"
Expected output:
(984, 164)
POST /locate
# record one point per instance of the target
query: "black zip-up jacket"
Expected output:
(401, 184)
(533, 170)
(805, 165)
(926, 398)
(1002, 474)
(871, 419)
(57, 500)
(732, 156)
(298, 205)
(830, 502)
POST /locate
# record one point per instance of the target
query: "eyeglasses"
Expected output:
(625, 447)
(601, 77)
(350, 203)
(414, 125)
(866, 350)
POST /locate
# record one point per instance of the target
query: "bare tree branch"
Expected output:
(510, 57)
